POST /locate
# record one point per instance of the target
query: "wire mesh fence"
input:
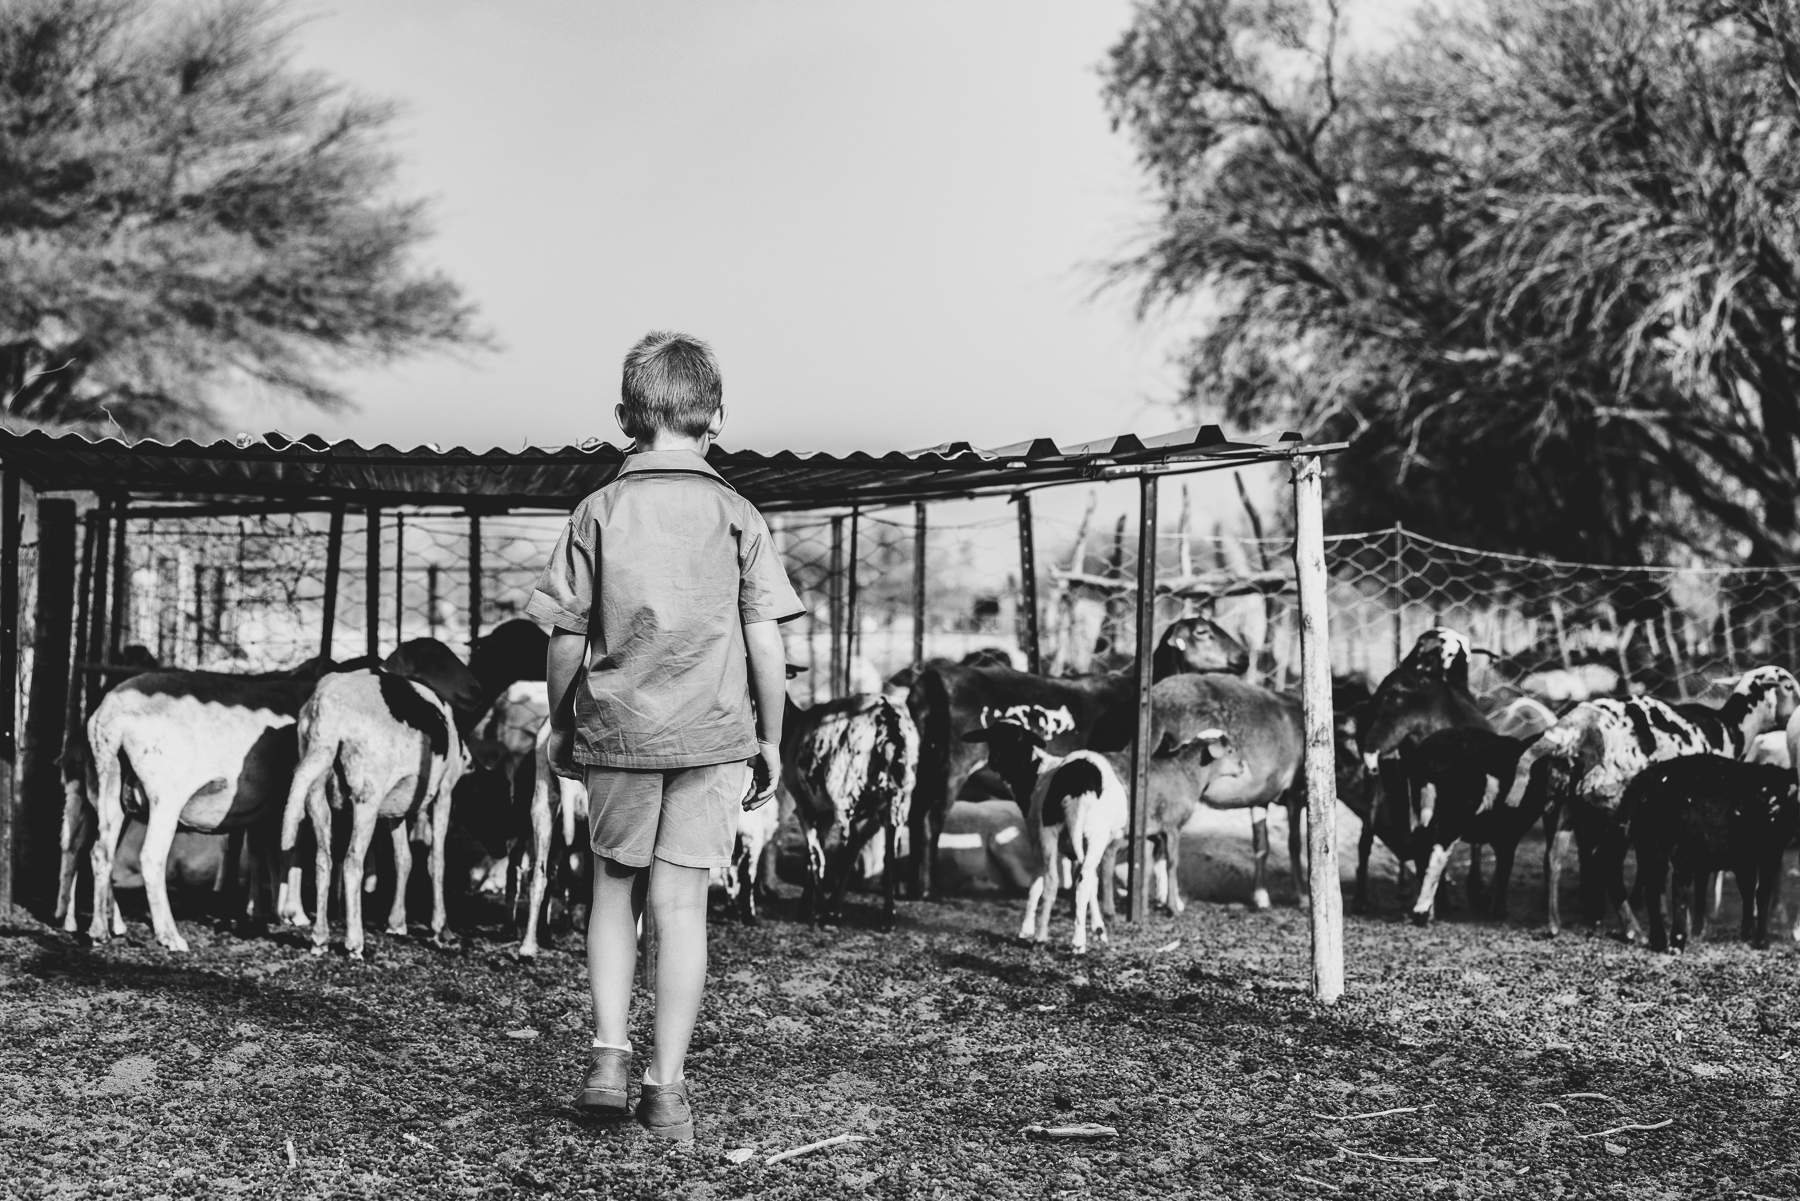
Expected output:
(247, 594)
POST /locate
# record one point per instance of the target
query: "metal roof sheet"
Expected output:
(310, 471)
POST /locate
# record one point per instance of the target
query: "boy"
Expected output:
(664, 591)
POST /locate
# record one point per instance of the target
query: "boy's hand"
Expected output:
(765, 773)
(559, 748)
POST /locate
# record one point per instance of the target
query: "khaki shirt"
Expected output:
(662, 569)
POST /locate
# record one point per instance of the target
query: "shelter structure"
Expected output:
(278, 474)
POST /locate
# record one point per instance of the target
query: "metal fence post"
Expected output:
(851, 620)
(121, 586)
(1321, 761)
(334, 558)
(918, 605)
(834, 591)
(475, 583)
(399, 578)
(372, 586)
(1028, 593)
(1139, 879)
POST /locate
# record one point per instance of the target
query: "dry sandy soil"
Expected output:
(254, 1068)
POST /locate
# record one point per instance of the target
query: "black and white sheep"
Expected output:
(1457, 774)
(1703, 813)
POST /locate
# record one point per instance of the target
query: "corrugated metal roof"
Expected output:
(309, 470)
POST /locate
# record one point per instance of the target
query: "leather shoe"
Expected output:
(663, 1110)
(609, 1071)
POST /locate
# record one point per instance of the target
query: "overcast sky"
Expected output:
(886, 217)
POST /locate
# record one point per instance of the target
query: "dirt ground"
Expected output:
(254, 1068)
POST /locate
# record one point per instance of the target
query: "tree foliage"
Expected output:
(184, 212)
(1537, 260)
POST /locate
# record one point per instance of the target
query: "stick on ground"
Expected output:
(1631, 1126)
(1380, 1113)
(834, 1141)
(1389, 1158)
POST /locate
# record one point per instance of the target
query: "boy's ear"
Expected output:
(624, 420)
(718, 421)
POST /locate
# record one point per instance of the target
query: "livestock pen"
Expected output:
(232, 555)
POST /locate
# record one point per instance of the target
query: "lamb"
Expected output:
(850, 766)
(1704, 813)
(1600, 746)
(1080, 808)
(389, 750)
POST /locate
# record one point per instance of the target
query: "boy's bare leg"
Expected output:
(612, 946)
(678, 903)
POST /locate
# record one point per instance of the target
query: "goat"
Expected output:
(388, 749)
(1704, 813)
(557, 804)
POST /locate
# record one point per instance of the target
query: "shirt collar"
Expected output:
(667, 460)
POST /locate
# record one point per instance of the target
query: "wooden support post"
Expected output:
(431, 598)
(75, 712)
(37, 838)
(121, 586)
(334, 559)
(102, 537)
(372, 586)
(835, 594)
(9, 682)
(851, 620)
(1028, 593)
(399, 578)
(1321, 758)
(1136, 845)
(199, 615)
(918, 605)
(475, 597)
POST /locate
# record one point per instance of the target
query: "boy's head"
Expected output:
(671, 383)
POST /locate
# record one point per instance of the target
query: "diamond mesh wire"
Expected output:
(247, 594)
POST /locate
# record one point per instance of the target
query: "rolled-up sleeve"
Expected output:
(564, 595)
(764, 593)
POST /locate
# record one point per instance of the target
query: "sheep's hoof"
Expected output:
(1078, 950)
(528, 950)
(1259, 900)
(1421, 919)
(396, 929)
(174, 942)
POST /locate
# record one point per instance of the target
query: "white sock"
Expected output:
(660, 1084)
(611, 1046)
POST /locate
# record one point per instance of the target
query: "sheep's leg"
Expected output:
(1083, 890)
(1296, 811)
(1172, 853)
(1473, 884)
(440, 839)
(1109, 876)
(1712, 887)
(889, 882)
(1653, 873)
(1746, 876)
(1049, 839)
(1028, 927)
(1768, 884)
(1259, 846)
(815, 872)
(75, 829)
(226, 897)
(543, 831)
(318, 815)
(109, 824)
(1365, 843)
(1430, 878)
(1557, 837)
(159, 836)
(396, 923)
(1680, 901)
(362, 832)
(928, 823)
(1503, 866)
(744, 864)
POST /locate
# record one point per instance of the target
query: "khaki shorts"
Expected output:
(687, 816)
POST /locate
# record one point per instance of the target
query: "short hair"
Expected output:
(671, 382)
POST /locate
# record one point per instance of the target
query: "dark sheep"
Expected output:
(1706, 813)
(1458, 775)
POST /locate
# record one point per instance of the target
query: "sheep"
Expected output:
(1457, 774)
(850, 766)
(205, 750)
(1601, 745)
(1704, 813)
(1079, 807)
(748, 871)
(389, 750)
